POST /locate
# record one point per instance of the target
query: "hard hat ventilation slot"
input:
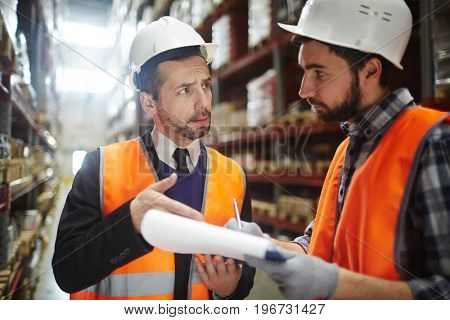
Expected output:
(364, 9)
(386, 16)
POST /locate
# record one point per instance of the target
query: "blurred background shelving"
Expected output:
(29, 127)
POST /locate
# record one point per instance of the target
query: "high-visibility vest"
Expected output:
(125, 171)
(365, 236)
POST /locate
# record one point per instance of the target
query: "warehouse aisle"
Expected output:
(47, 289)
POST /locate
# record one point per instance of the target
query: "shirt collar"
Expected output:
(377, 117)
(165, 148)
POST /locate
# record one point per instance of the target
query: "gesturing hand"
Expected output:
(153, 198)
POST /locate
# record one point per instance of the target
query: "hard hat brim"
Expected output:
(295, 30)
(290, 28)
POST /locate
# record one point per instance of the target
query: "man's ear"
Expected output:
(148, 104)
(373, 70)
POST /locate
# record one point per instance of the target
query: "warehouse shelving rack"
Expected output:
(20, 120)
(299, 180)
(269, 132)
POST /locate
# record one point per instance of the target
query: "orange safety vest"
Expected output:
(363, 239)
(125, 171)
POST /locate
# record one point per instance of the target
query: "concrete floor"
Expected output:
(47, 289)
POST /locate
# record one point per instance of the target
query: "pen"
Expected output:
(236, 213)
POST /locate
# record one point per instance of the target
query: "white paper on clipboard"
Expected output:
(178, 234)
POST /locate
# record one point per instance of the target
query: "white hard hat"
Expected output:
(162, 35)
(382, 27)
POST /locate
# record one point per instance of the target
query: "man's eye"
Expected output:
(183, 91)
(206, 85)
(320, 74)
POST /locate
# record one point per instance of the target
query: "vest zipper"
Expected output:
(356, 147)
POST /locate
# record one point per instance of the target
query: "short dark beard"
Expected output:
(171, 124)
(347, 109)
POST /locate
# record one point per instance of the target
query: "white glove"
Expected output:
(301, 277)
(249, 228)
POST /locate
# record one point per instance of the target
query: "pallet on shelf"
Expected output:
(296, 209)
(264, 208)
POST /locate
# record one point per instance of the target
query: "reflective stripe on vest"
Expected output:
(364, 238)
(127, 170)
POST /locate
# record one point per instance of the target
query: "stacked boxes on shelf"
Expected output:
(28, 220)
(264, 208)
(27, 161)
(193, 12)
(14, 230)
(17, 169)
(261, 99)
(18, 166)
(288, 167)
(312, 161)
(297, 118)
(259, 21)
(228, 116)
(228, 33)
(220, 35)
(297, 113)
(201, 9)
(296, 209)
(247, 160)
(181, 9)
(44, 200)
(38, 160)
(22, 77)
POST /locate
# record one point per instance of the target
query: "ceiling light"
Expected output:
(87, 35)
(86, 81)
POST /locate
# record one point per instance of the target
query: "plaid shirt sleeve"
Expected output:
(305, 239)
(429, 210)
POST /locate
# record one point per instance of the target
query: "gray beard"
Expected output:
(171, 124)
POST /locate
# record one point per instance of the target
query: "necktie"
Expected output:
(180, 157)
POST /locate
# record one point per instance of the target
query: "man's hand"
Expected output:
(153, 198)
(301, 277)
(221, 277)
(249, 228)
